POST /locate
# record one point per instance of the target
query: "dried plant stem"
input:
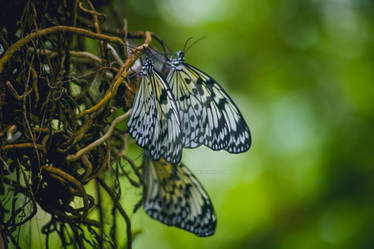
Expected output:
(22, 146)
(42, 32)
(101, 140)
(122, 73)
(121, 211)
(71, 180)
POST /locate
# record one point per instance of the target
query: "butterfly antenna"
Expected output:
(186, 43)
(192, 44)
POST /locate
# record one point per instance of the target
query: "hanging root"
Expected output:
(60, 108)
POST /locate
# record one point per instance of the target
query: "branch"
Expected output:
(120, 209)
(23, 145)
(122, 73)
(82, 54)
(101, 140)
(71, 180)
(42, 32)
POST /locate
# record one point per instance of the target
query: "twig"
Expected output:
(101, 213)
(120, 209)
(134, 168)
(23, 145)
(83, 54)
(129, 34)
(35, 84)
(101, 140)
(102, 168)
(123, 151)
(33, 139)
(92, 12)
(42, 32)
(97, 27)
(115, 54)
(122, 73)
(15, 93)
(88, 170)
(72, 180)
(90, 222)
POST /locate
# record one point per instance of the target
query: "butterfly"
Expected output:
(174, 196)
(154, 120)
(208, 115)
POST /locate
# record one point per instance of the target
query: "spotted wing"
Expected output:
(143, 117)
(190, 109)
(154, 121)
(174, 196)
(219, 125)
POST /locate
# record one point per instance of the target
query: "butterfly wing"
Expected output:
(143, 117)
(154, 121)
(174, 196)
(219, 125)
(189, 105)
(167, 137)
(230, 129)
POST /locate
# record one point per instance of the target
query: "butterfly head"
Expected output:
(147, 66)
(180, 55)
(178, 60)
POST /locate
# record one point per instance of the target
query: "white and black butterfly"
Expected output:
(154, 121)
(208, 115)
(174, 196)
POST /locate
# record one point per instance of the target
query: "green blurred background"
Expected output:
(301, 72)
